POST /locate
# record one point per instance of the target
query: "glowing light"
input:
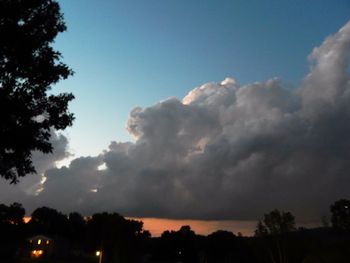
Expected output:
(41, 185)
(39, 241)
(65, 162)
(37, 253)
(99, 254)
(102, 167)
(47, 242)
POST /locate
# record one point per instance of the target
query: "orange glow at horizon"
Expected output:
(201, 227)
(158, 225)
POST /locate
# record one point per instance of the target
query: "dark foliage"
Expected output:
(182, 245)
(75, 239)
(12, 230)
(49, 222)
(272, 230)
(77, 228)
(221, 246)
(341, 214)
(29, 66)
(117, 237)
(12, 214)
(275, 223)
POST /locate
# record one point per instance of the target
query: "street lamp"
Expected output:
(99, 255)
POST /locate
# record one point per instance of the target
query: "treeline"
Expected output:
(76, 238)
(73, 235)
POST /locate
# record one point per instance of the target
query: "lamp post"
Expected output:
(99, 254)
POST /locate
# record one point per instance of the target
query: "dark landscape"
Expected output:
(51, 236)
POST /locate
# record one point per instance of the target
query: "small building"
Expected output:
(40, 246)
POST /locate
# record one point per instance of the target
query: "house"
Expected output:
(40, 246)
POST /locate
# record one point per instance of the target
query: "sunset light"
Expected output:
(183, 131)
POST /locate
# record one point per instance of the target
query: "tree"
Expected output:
(222, 246)
(341, 214)
(179, 246)
(77, 227)
(273, 227)
(275, 223)
(116, 236)
(12, 214)
(49, 221)
(12, 229)
(29, 67)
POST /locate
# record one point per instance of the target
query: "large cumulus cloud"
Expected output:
(226, 151)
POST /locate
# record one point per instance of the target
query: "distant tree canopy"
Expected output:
(29, 66)
(12, 214)
(48, 221)
(77, 238)
(275, 223)
(117, 236)
(341, 214)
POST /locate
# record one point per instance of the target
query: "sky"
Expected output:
(210, 111)
(137, 53)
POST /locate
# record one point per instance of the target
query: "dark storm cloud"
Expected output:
(226, 151)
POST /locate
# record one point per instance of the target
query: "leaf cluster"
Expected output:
(29, 67)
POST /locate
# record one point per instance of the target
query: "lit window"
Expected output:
(39, 241)
(37, 253)
(47, 242)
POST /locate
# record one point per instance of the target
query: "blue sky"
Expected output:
(128, 53)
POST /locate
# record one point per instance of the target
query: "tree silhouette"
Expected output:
(12, 230)
(116, 236)
(178, 245)
(29, 66)
(272, 228)
(341, 214)
(49, 221)
(77, 227)
(275, 223)
(12, 214)
(222, 246)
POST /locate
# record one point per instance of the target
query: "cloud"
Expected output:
(226, 151)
